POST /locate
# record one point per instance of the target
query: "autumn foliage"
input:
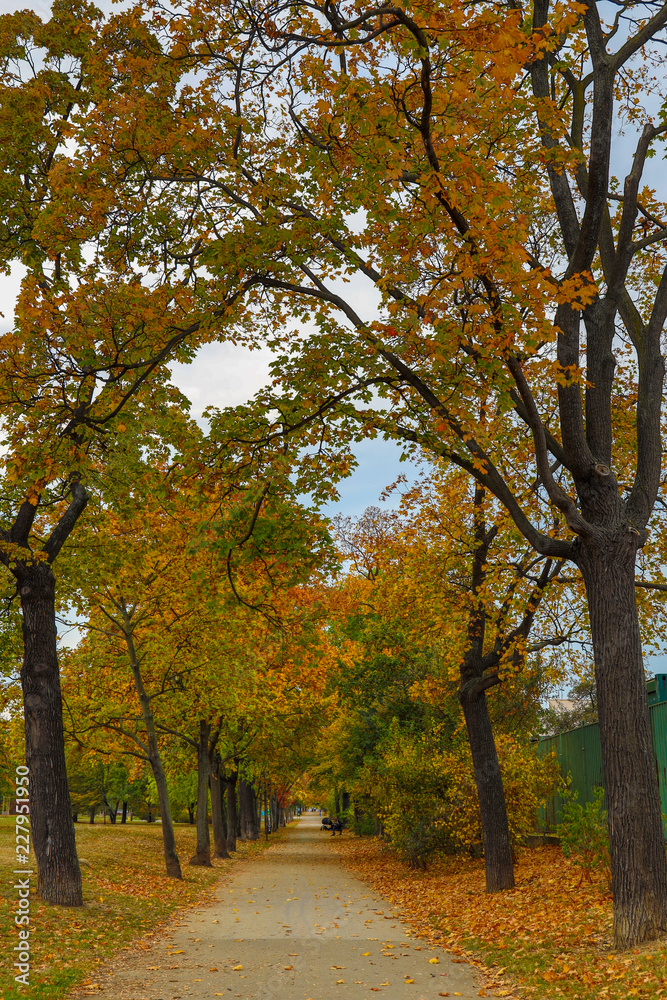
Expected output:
(549, 937)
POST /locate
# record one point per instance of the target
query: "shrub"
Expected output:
(426, 795)
(583, 833)
(361, 823)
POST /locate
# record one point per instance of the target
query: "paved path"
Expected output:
(292, 924)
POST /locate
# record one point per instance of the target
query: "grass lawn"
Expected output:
(550, 937)
(126, 894)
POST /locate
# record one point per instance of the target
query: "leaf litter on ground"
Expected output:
(127, 899)
(549, 937)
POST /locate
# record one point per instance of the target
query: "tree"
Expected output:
(88, 338)
(505, 261)
(479, 604)
(488, 238)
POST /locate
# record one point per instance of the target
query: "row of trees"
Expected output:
(175, 176)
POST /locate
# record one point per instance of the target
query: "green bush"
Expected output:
(583, 833)
(362, 824)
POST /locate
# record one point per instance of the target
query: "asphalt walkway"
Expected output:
(292, 924)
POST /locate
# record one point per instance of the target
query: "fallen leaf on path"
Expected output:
(236, 968)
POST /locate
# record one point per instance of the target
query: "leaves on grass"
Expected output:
(127, 869)
(551, 934)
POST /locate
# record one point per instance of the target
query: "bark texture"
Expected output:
(632, 797)
(498, 863)
(231, 811)
(58, 872)
(219, 827)
(171, 860)
(248, 809)
(202, 855)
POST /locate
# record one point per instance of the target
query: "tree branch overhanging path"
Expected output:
(455, 159)
(507, 273)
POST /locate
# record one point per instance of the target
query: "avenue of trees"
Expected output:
(437, 218)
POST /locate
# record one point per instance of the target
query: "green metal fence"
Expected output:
(579, 755)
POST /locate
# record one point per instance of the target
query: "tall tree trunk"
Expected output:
(219, 832)
(244, 808)
(202, 855)
(253, 829)
(91, 816)
(266, 815)
(493, 811)
(231, 811)
(638, 863)
(58, 872)
(172, 864)
(499, 866)
(248, 809)
(238, 806)
(257, 813)
(124, 816)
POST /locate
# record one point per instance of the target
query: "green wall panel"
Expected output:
(579, 755)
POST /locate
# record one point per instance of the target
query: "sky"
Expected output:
(225, 375)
